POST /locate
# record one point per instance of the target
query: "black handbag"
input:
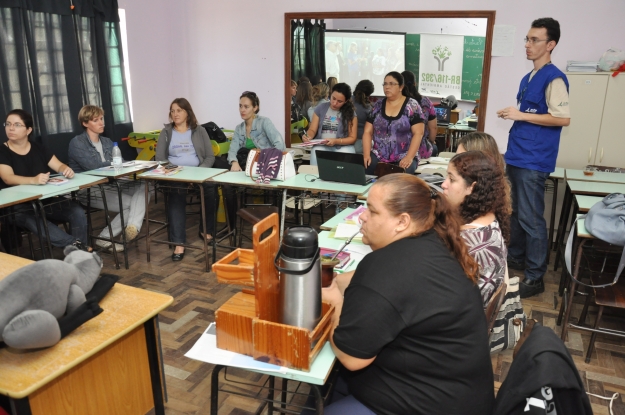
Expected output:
(242, 157)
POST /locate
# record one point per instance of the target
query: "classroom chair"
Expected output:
(306, 204)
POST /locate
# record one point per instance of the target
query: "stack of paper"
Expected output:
(581, 66)
(311, 143)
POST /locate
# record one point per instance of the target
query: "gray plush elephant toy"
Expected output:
(44, 301)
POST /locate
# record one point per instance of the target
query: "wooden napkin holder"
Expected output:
(248, 323)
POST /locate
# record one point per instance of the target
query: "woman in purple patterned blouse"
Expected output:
(394, 129)
(478, 187)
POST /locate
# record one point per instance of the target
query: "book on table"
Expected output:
(57, 181)
(168, 170)
(343, 257)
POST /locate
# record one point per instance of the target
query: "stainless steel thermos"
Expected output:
(299, 265)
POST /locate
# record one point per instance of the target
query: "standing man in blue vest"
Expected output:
(541, 112)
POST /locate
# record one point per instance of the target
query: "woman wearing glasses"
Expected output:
(185, 143)
(334, 121)
(27, 162)
(394, 129)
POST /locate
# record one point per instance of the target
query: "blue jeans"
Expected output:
(176, 210)
(336, 149)
(528, 229)
(341, 401)
(60, 209)
(374, 162)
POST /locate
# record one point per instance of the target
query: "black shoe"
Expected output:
(530, 288)
(177, 257)
(519, 266)
(82, 246)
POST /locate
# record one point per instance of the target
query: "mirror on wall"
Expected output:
(448, 51)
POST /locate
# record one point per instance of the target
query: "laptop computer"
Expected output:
(342, 168)
(443, 115)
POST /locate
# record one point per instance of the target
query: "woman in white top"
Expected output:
(335, 122)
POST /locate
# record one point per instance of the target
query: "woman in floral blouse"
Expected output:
(394, 129)
(478, 187)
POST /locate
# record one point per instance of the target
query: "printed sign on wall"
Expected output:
(440, 65)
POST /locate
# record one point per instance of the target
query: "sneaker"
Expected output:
(131, 232)
(530, 288)
(118, 248)
(105, 245)
(82, 246)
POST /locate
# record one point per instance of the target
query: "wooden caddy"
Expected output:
(248, 322)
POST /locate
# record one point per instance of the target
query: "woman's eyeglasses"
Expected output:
(389, 84)
(16, 125)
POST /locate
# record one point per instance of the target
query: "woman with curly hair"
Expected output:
(478, 188)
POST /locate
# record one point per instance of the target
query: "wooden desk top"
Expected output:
(238, 178)
(597, 176)
(303, 182)
(79, 181)
(594, 188)
(558, 173)
(139, 167)
(125, 308)
(10, 197)
(188, 175)
(586, 202)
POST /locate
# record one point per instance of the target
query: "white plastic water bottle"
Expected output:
(117, 158)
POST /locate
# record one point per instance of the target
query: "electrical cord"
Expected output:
(313, 178)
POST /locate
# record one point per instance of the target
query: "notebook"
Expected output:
(342, 168)
(443, 115)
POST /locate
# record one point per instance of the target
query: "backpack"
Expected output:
(214, 132)
(605, 221)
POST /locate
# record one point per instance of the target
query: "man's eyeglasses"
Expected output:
(249, 93)
(534, 40)
(16, 125)
(389, 84)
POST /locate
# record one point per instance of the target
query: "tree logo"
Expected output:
(441, 55)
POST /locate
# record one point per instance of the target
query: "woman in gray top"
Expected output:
(185, 143)
(363, 106)
(89, 151)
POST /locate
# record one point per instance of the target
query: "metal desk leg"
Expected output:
(123, 223)
(155, 360)
(108, 222)
(147, 219)
(553, 216)
(20, 406)
(571, 293)
(283, 214)
(203, 206)
(215, 389)
(46, 230)
(318, 399)
(564, 214)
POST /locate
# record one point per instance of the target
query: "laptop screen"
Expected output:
(341, 167)
(443, 115)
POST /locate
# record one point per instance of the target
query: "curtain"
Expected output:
(307, 49)
(55, 59)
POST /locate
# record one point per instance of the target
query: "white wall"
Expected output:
(237, 45)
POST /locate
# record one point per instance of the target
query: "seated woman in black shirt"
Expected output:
(26, 162)
(411, 328)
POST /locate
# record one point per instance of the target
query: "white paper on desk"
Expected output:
(205, 350)
(346, 230)
(358, 249)
(503, 40)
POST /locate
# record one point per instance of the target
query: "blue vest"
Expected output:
(532, 146)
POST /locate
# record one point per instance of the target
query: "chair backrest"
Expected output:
(308, 169)
(446, 154)
(494, 304)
